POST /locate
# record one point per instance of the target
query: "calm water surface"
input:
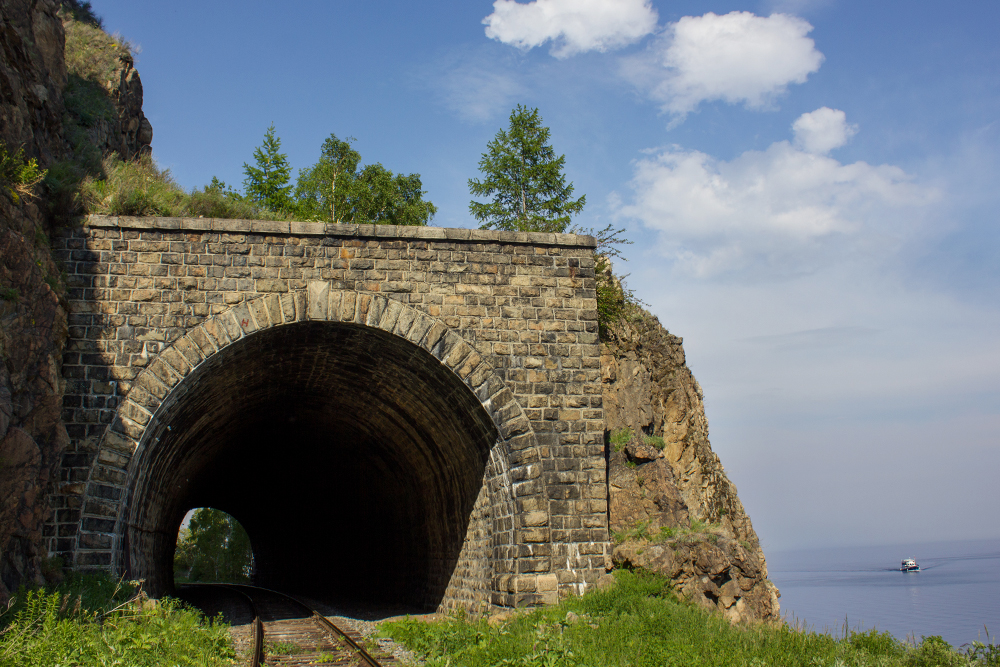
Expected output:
(955, 594)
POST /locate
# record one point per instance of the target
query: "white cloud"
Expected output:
(736, 58)
(478, 93)
(822, 130)
(574, 26)
(778, 210)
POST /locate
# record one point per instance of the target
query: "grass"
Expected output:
(641, 531)
(620, 438)
(640, 622)
(139, 187)
(95, 620)
(654, 441)
(282, 648)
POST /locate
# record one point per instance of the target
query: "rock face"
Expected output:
(32, 322)
(32, 78)
(671, 506)
(35, 85)
(32, 436)
(103, 93)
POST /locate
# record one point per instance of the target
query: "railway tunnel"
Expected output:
(353, 458)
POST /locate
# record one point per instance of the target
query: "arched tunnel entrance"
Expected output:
(353, 458)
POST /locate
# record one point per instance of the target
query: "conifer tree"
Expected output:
(524, 178)
(267, 183)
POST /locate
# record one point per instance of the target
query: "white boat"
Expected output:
(909, 565)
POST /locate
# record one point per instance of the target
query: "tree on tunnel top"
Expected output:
(524, 179)
(214, 547)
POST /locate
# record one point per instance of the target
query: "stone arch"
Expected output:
(486, 570)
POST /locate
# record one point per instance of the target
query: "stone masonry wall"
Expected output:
(526, 303)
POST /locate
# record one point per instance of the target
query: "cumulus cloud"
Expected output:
(574, 26)
(774, 210)
(737, 58)
(822, 130)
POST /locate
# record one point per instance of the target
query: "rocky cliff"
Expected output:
(68, 118)
(672, 509)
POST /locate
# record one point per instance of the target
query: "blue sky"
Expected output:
(811, 185)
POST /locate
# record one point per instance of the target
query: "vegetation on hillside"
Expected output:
(94, 620)
(640, 622)
(213, 547)
(139, 187)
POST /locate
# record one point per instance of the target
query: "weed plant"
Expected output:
(18, 176)
(654, 441)
(640, 622)
(95, 620)
(620, 438)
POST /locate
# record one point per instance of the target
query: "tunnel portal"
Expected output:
(411, 411)
(352, 457)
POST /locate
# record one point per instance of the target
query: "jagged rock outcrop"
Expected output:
(57, 115)
(671, 506)
(32, 78)
(104, 92)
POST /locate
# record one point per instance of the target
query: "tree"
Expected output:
(214, 547)
(335, 189)
(524, 179)
(324, 189)
(267, 183)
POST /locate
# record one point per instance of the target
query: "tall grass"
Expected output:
(139, 187)
(640, 622)
(94, 620)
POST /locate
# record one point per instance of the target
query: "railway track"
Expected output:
(284, 631)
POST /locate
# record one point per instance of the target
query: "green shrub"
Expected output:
(987, 654)
(933, 652)
(876, 643)
(94, 620)
(9, 293)
(18, 177)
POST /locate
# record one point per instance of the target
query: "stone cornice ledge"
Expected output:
(339, 230)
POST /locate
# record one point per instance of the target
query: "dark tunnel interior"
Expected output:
(352, 457)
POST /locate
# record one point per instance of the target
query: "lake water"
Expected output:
(955, 594)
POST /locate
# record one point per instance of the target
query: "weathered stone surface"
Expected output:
(32, 437)
(715, 571)
(645, 494)
(34, 74)
(649, 390)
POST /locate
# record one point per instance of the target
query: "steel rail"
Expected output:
(258, 657)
